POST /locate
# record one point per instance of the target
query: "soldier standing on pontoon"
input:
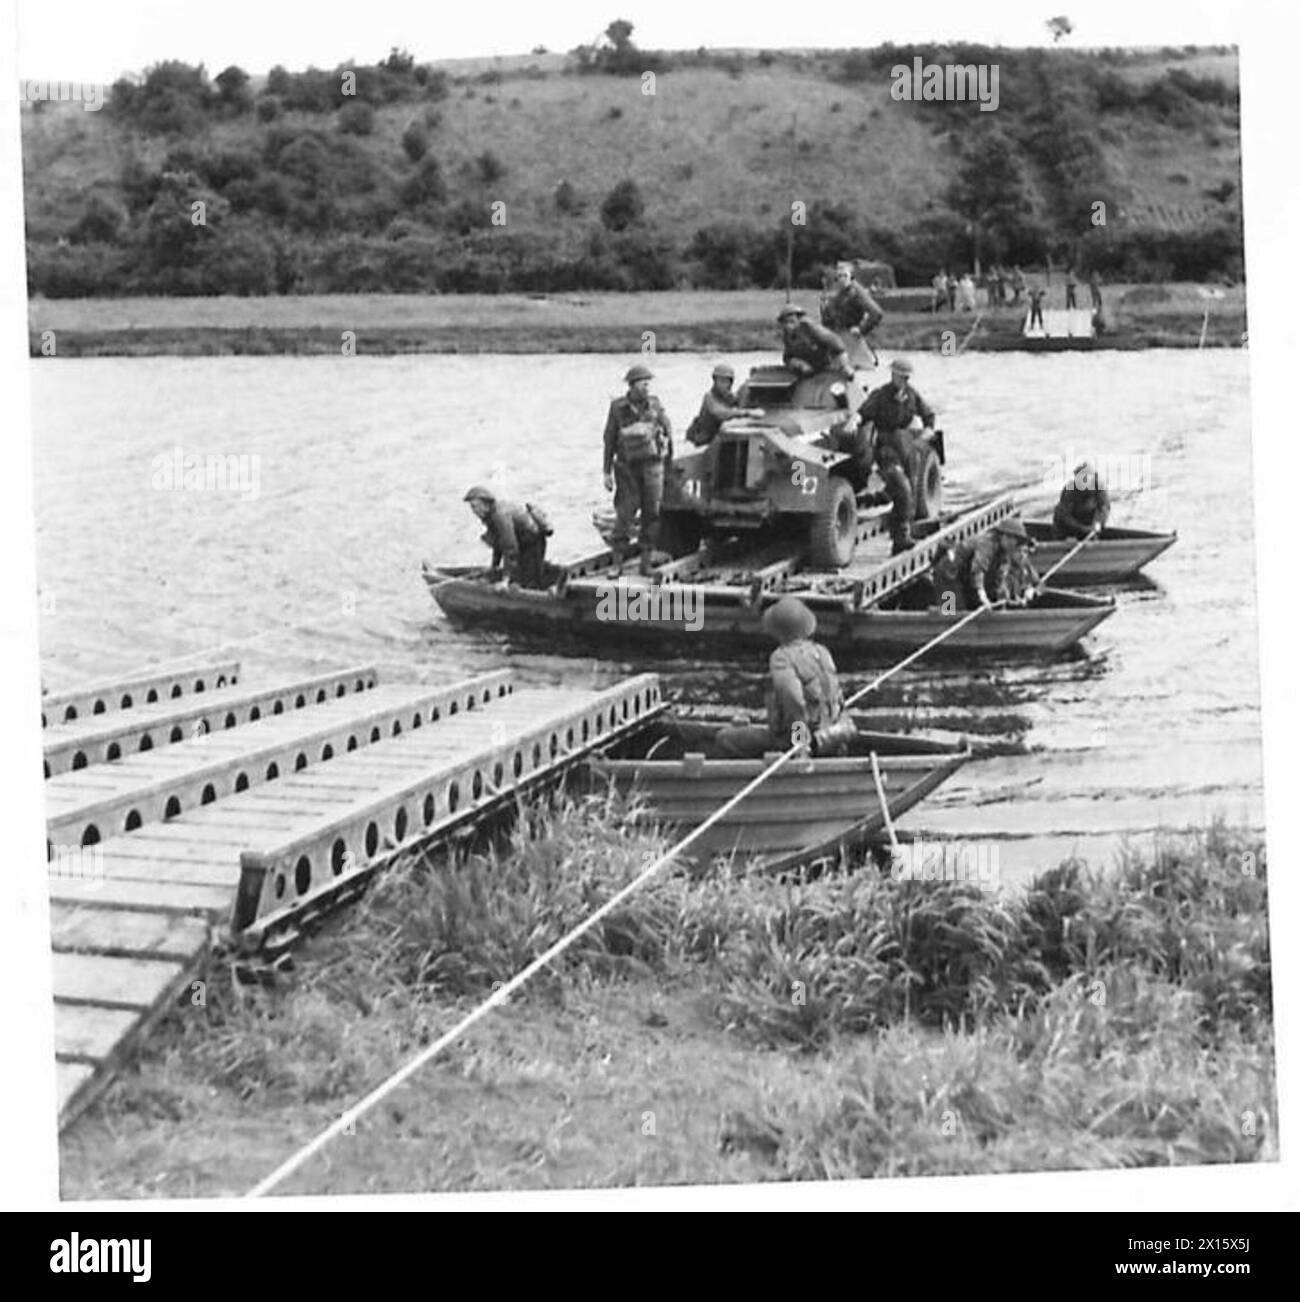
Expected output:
(891, 409)
(638, 444)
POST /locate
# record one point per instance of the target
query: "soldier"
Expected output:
(638, 443)
(993, 567)
(1036, 296)
(1071, 285)
(804, 701)
(1084, 504)
(1017, 285)
(809, 348)
(850, 307)
(939, 283)
(516, 534)
(719, 404)
(891, 409)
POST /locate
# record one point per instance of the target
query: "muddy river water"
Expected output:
(351, 470)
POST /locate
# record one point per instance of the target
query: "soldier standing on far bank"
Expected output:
(638, 444)
(1070, 286)
(1036, 296)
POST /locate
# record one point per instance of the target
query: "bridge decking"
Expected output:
(332, 790)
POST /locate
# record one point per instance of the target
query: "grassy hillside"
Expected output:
(392, 189)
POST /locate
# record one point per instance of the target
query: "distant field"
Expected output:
(518, 314)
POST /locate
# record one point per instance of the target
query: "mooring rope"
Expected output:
(498, 997)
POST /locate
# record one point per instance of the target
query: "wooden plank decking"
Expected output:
(134, 913)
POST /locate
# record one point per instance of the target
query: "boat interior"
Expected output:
(675, 734)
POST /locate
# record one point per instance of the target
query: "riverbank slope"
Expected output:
(725, 1030)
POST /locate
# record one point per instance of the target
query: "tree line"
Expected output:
(294, 197)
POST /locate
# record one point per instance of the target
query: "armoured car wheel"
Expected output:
(833, 534)
(679, 533)
(927, 483)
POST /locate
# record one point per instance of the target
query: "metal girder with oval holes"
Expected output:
(144, 688)
(103, 738)
(418, 792)
(88, 805)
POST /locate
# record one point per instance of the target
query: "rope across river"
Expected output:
(500, 996)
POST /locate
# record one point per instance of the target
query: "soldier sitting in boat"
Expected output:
(892, 409)
(850, 307)
(810, 349)
(1084, 504)
(993, 567)
(517, 535)
(805, 705)
(720, 403)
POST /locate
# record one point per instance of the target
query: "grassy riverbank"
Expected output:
(722, 1030)
(1138, 316)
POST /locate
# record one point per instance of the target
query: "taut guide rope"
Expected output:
(501, 995)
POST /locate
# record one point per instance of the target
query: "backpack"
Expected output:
(540, 519)
(639, 442)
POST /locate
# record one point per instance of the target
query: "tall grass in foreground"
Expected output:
(1118, 1017)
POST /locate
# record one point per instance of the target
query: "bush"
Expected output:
(76, 270)
(435, 83)
(172, 99)
(623, 206)
(233, 94)
(415, 142)
(269, 108)
(566, 198)
(425, 185)
(356, 118)
(731, 255)
(102, 221)
(489, 167)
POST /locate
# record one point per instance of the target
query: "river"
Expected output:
(355, 468)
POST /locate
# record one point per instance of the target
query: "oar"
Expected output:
(1078, 547)
(967, 618)
(884, 804)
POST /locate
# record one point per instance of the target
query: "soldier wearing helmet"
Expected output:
(805, 704)
(891, 409)
(808, 347)
(850, 307)
(1084, 504)
(993, 567)
(638, 443)
(516, 534)
(720, 403)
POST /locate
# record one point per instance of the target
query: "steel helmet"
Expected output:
(789, 619)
